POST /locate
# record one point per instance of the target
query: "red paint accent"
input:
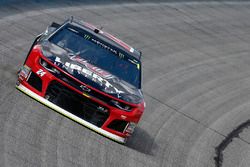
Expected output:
(120, 42)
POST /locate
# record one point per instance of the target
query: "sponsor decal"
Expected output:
(121, 56)
(87, 37)
(138, 66)
(99, 43)
(104, 46)
(86, 95)
(102, 109)
(93, 75)
(85, 88)
(24, 72)
(97, 70)
(135, 62)
(40, 72)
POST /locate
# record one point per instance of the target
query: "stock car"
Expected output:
(87, 75)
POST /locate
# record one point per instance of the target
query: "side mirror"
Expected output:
(51, 28)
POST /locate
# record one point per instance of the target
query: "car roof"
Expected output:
(108, 38)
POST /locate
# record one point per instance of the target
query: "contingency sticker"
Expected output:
(135, 62)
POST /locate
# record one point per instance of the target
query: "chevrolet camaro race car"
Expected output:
(87, 75)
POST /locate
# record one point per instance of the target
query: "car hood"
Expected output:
(90, 74)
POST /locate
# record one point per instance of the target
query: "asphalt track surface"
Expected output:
(196, 58)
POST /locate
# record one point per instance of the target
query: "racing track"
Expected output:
(196, 83)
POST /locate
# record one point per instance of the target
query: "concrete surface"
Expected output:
(196, 58)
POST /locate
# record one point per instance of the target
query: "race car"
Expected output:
(88, 75)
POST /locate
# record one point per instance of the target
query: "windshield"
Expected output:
(98, 53)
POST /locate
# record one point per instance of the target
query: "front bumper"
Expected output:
(69, 115)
